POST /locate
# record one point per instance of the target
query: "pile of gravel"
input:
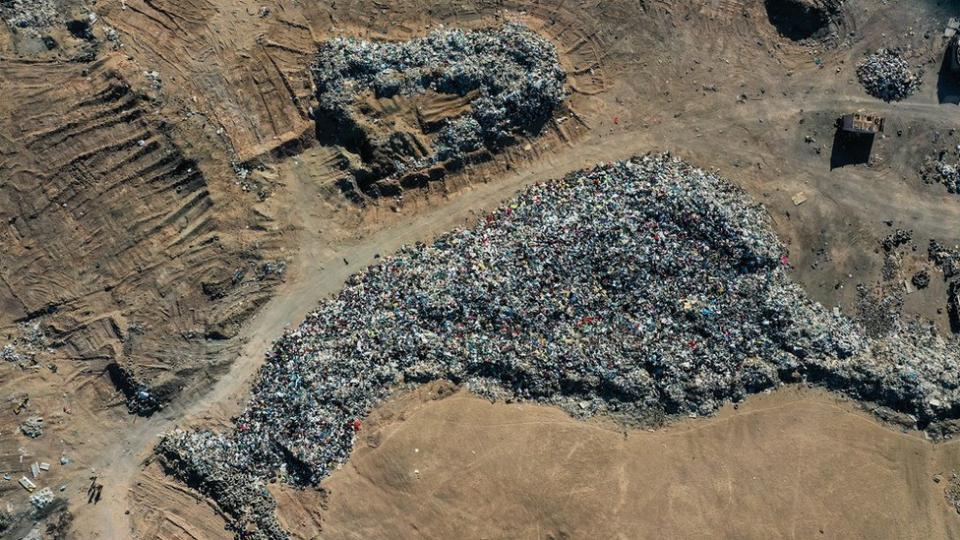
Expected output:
(646, 288)
(886, 75)
(514, 72)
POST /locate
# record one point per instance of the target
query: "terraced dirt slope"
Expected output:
(113, 239)
(253, 84)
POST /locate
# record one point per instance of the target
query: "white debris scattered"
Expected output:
(42, 498)
(27, 484)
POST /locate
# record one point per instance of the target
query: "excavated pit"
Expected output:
(802, 19)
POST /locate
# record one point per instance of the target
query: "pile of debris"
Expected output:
(896, 239)
(952, 492)
(947, 259)
(646, 288)
(511, 75)
(32, 427)
(42, 498)
(31, 14)
(937, 171)
(921, 280)
(886, 75)
(24, 349)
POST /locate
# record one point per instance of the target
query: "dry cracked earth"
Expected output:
(168, 205)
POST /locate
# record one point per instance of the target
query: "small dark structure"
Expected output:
(862, 124)
(853, 141)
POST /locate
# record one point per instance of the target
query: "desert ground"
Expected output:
(169, 208)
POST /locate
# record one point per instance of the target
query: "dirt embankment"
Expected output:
(117, 243)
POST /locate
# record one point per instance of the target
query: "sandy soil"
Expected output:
(793, 464)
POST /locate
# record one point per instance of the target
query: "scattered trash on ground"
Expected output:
(938, 171)
(27, 484)
(952, 491)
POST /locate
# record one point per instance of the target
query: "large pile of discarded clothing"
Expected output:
(514, 73)
(646, 287)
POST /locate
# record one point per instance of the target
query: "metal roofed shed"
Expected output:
(854, 138)
(861, 123)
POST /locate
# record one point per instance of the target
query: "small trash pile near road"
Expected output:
(896, 239)
(886, 75)
(32, 427)
(515, 74)
(941, 172)
(952, 491)
(646, 288)
(25, 346)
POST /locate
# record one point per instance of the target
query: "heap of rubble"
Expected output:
(30, 14)
(646, 288)
(896, 239)
(514, 74)
(42, 498)
(941, 172)
(952, 491)
(32, 427)
(25, 346)
(947, 259)
(886, 75)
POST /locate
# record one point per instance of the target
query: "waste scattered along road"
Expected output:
(941, 172)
